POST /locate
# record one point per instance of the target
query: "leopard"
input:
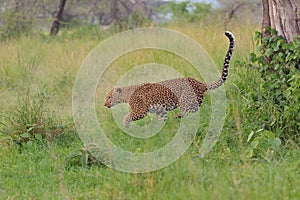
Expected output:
(187, 94)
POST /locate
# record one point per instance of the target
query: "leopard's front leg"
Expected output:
(133, 116)
(138, 111)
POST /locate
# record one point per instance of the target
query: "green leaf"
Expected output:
(30, 129)
(273, 32)
(25, 135)
(29, 144)
(269, 134)
(265, 40)
(254, 143)
(269, 52)
(253, 58)
(285, 46)
(257, 36)
(38, 136)
(280, 42)
(73, 155)
(249, 153)
(261, 60)
(275, 143)
(259, 48)
(250, 136)
(267, 28)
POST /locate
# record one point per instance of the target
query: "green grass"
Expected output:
(39, 173)
(36, 170)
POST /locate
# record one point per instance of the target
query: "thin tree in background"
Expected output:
(114, 10)
(237, 9)
(56, 23)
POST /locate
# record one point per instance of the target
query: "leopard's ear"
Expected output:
(118, 90)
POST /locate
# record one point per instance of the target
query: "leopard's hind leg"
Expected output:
(188, 103)
(162, 115)
(160, 111)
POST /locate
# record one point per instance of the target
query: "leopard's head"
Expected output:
(114, 97)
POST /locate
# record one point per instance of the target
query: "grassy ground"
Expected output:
(36, 80)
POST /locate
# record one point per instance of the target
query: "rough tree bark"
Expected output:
(56, 23)
(282, 15)
(114, 11)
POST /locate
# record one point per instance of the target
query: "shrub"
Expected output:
(272, 100)
(264, 145)
(187, 10)
(134, 20)
(31, 120)
(13, 24)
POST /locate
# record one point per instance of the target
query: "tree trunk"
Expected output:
(114, 11)
(282, 15)
(56, 23)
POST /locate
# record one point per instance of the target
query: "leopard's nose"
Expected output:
(106, 105)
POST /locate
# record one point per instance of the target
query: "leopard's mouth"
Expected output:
(107, 105)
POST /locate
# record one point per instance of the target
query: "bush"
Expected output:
(132, 21)
(31, 121)
(190, 11)
(13, 24)
(272, 99)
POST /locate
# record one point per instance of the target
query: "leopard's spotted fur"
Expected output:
(185, 93)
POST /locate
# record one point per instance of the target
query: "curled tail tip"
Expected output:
(229, 35)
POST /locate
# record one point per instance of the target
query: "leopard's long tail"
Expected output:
(224, 75)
